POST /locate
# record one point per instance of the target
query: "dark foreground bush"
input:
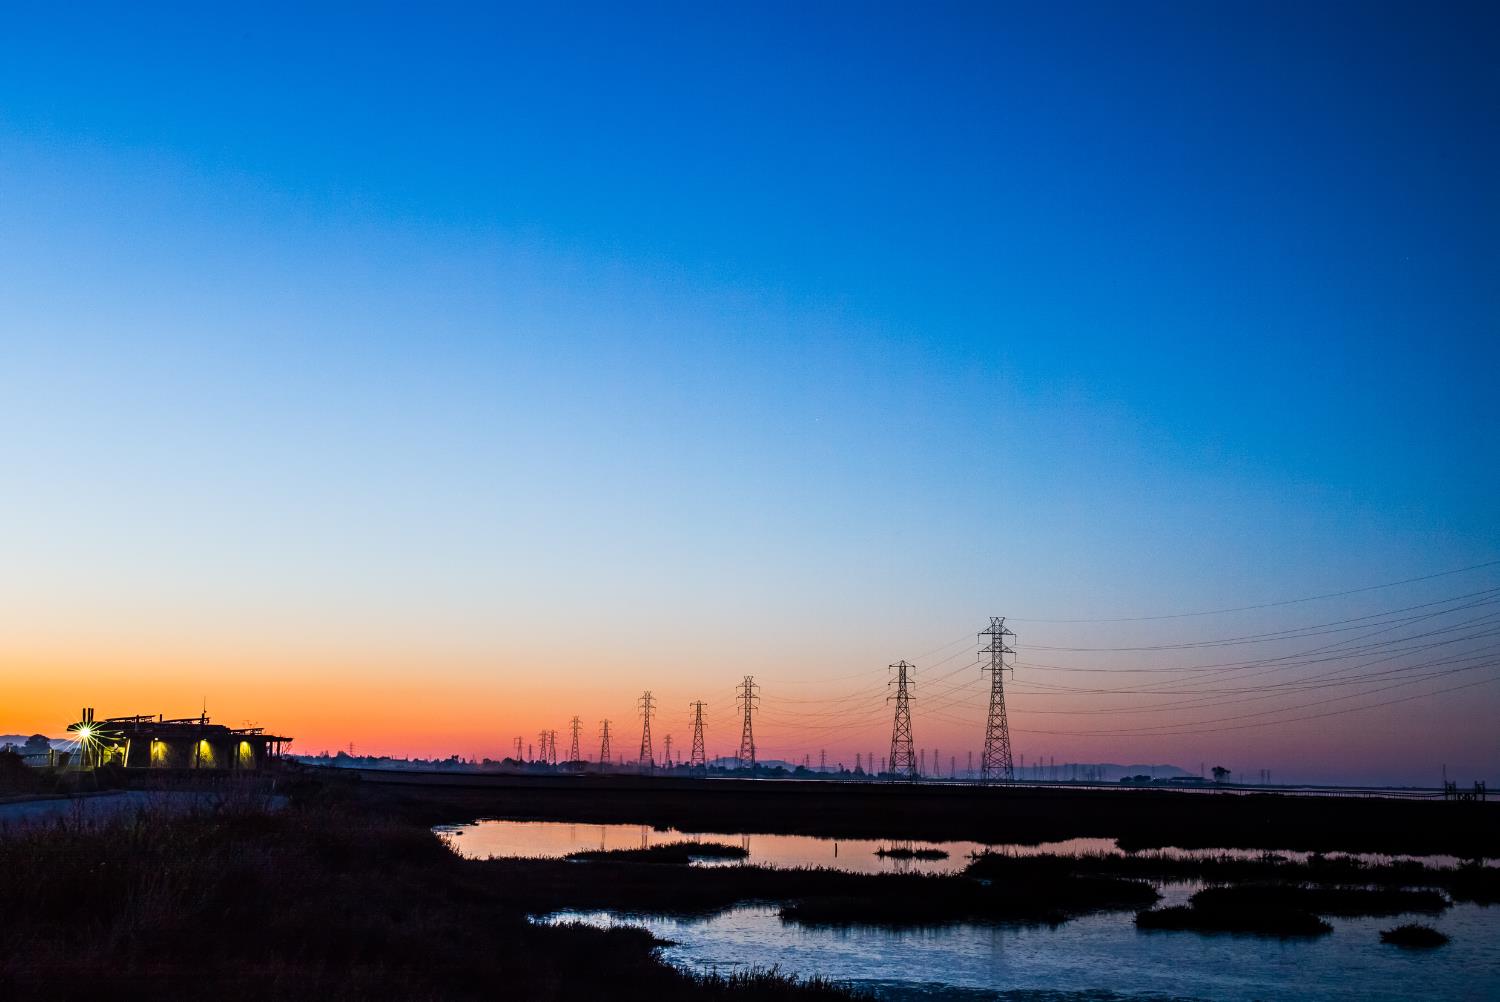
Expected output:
(312, 902)
(1413, 935)
(672, 852)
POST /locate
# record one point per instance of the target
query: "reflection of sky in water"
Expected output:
(1093, 956)
(1097, 956)
(483, 839)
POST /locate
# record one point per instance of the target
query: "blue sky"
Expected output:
(812, 333)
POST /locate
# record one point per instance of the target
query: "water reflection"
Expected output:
(1097, 956)
(551, 839)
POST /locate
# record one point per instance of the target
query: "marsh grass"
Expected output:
(233, 901)
(668, 853)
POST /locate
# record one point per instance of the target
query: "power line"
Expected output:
(1270, 605)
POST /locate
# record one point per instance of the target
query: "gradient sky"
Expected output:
(423, 376)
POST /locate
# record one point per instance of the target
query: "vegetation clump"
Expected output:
(671, 852)
(1413, 935)
(1285, 909)
(918, 900)
(1265, 920)
(907, 852)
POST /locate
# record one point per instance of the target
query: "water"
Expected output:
(1094, 957)
(551, 839)
(1097, 956)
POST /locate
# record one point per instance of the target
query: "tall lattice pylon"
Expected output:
(648, 753)
(552, 747)
(576, 725)
(995, 766)
(748, 699)
(604, 742)
(903, 762)
(698, 759)
(541, 747)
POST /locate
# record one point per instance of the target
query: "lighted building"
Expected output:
(155, 742)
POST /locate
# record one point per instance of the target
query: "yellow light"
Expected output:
(85, 732)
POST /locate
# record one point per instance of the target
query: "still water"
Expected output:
(551, 839)
(1094, 957)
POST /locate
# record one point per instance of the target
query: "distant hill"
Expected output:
(20, 739)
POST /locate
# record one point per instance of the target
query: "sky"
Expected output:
(419, 377)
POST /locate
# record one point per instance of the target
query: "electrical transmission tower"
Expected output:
(541, 747)
(748, 699)
(903, 756)
(698, 759)
(576, 726)
(518, 750)
(552, 746)
(995, 765)
(648, 707)
(604, 742)
(667, 754)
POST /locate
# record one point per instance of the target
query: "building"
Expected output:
(156, 742)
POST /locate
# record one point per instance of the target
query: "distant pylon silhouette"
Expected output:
(698, 759)
(604, 742)
(576, 726)
(667, 752)
(648, 753)
(903, 757)
(748, 699)
(552, 746)
(541, 747)
(995, 766)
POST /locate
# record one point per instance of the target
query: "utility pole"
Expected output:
(903, 757)
(648, 753)
(698, 759)
(748, 699)
(604, 742)
(573, 755)
(995, 765)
